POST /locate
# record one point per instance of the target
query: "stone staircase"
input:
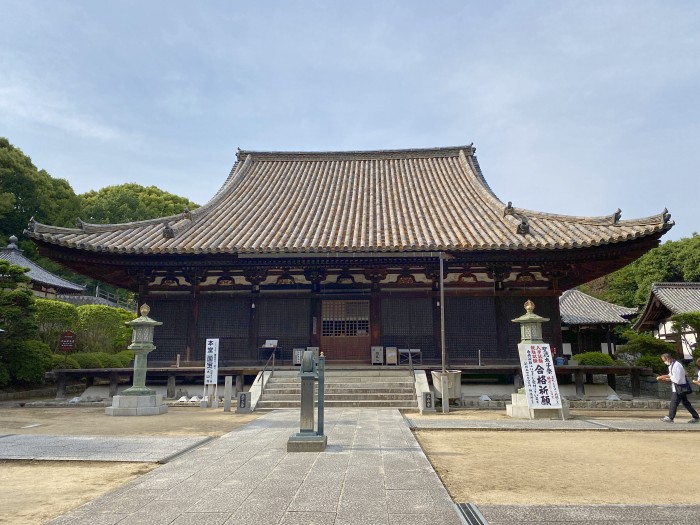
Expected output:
(344, 388)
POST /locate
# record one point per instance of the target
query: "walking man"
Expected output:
(676, 376)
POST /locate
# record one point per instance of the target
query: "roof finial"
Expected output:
(13, 243)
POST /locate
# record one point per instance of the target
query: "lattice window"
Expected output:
(408, 323)
(345, 319)
(470, 327)
(286, 319)
(171, 337)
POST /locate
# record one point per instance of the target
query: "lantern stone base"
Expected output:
(306, 442)
(519, 409)
(136, 406)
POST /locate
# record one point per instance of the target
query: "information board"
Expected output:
(541, 387)
(211, 362)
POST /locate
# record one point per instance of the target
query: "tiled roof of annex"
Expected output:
(578, 308)
(374, 201)
(677, 297)
(36, 273)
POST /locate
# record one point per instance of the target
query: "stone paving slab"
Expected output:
(247, 476)
(436, 423)
(561, 514)
(588, 424)
(95, 448)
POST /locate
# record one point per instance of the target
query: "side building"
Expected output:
(666, 300)
(342, 251)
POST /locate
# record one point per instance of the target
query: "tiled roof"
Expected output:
(579, 308)
(376, 201)
(679, 298)
(36, 273)
(665, 298)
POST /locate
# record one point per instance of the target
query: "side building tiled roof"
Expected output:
(668, 298)
(36, 273)
(578, 308)
(376, 201)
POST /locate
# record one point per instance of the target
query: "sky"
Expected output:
(574, 107)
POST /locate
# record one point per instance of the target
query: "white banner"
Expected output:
(541, 387)
(211, 362)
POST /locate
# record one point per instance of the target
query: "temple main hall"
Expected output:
(342, 251)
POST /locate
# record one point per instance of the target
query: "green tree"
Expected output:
(16, 319)
(33, 193)
(673, 261)
(131, 202)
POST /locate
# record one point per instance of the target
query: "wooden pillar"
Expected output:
(113, 383)
(253, 326)
(170, 393)
(375, 318)
(635, 383)
(60, 385)
(315, 322)
(502, 320)
(193, 322)
(578, 378)
(612, 381)
(579, 340)
(557, 340)
(608, 339)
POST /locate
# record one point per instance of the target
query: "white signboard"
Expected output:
(211, 362)
(541, 387)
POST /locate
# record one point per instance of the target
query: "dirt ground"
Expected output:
(484, 467)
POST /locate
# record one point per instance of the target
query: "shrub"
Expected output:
(126, 357)
(594, 359)
(98, 327)
(109, 360)
(87, 360)
(651, 361)
(123, 338)
(61, 361)
(645, 344)
(4, 375)
(53, 318)
(30, 361)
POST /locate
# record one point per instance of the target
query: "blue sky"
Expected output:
(574, 107)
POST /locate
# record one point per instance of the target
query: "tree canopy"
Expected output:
(26, 192)
(131, 202)
(673, 261)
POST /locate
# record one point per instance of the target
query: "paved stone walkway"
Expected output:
(372, 472)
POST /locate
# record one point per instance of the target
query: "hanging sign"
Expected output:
(541, 387)
(211, 362)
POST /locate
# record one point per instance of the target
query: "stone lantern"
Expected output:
(530, 325)
(141, 345)
(139, 400)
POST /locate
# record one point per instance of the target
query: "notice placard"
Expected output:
(211, 362)
(541, 387)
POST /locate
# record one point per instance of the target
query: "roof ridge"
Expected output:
(451, 151)
(675, 285)
(610, 220)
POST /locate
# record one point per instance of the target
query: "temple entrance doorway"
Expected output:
(345, 330)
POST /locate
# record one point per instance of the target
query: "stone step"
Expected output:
(271, 405)
(341, 379)
(369, 390)
(341, 397)
(350, 373)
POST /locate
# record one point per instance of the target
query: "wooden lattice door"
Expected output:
(345, 330)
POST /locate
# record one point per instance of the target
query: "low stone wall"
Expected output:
(42, 392)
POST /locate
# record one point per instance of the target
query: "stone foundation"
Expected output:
(136, 406)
